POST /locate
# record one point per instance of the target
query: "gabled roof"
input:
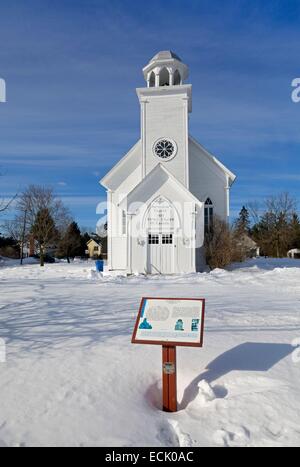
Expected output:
(247, 241)
(214, 160)
(92, 240)
(153, 177)
(113, 179)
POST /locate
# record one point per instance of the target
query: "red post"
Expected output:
(169, 377)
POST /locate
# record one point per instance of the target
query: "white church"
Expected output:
(162, 195)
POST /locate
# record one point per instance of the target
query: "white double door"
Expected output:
(160, 253)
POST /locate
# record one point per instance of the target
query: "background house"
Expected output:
(94, 249)
(294, 254)
(249, 246)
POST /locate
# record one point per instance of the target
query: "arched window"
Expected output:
(152, 80)
(177, 78)
(208, 215)
(164, 77)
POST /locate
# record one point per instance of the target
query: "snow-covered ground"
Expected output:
(72, 377)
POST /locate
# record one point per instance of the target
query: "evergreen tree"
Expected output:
(85, 238)
(71, 243)
(295, 232)
(242, 224)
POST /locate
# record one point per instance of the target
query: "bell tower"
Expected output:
(165, 106)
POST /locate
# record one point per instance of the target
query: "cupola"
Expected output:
(165, 69)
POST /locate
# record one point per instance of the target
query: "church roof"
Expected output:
(158, 175)
(115, 177)
(165, 55)
(130, 162)
(213, 159)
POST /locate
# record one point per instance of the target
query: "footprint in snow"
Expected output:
(171, 435)
(205, 396)
(237, 438)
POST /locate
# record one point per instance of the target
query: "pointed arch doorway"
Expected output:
(161, 220)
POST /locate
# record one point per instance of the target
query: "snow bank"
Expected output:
(16, 262)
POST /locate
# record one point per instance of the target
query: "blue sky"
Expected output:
(71, 69)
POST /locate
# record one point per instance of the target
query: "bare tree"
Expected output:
(273, 229)
(254, 211)
(35, 198)
(35, 206)
(282, 205)
(4, 203)
(44, 232)
(223, 245)
(281, 209)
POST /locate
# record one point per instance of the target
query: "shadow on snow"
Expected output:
(250, 356)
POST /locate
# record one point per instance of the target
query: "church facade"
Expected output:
(162, 195)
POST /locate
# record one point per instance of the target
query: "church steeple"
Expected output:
(165, 69)
(165, 105)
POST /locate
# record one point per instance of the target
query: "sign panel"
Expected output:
(170, 321)
(161, 217)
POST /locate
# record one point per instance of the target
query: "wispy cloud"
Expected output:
(72, 67)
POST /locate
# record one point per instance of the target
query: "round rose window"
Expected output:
(165, 149)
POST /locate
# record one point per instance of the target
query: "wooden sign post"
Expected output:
(170, 322)
(169, 378)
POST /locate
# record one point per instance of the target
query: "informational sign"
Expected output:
(161, 217)
(170, 321)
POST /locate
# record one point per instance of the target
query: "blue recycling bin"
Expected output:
(99, 265)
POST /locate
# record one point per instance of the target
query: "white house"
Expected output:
(294, 254)
(162, 195)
